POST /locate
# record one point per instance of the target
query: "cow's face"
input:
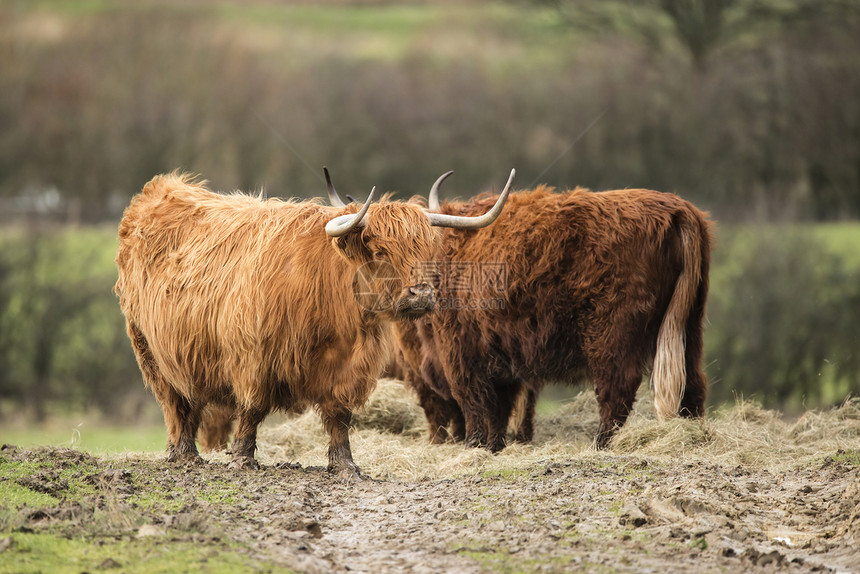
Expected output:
(393, 254)
(392, 246)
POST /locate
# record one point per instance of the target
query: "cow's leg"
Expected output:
(472, 392)
(458, 421)
(616, 393)
(615, 383)
(444, 417)
(500, 415)
(336, 419)
(245, 441)
(524, 430)
(215, 427)
(476, 407)
(614, 353)
(181, 416)
(436, 411)
(693, 401)
(476, 431)
(695, 392)
(696, 389)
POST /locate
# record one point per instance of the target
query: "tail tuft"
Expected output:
(669, 375)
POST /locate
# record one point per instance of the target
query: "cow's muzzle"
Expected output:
(416, 301)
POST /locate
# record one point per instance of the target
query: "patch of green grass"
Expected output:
(851, 457)
(163, 502)
(498, 560)
(36, 485)
(386, 31)
(151, 497)
(14, 496)
(51, 553)
(89, 437)
(13, 470)
(220, 492)
(68, 479)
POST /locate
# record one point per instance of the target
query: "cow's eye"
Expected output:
(379, 255)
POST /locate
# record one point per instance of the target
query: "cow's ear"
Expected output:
(342, 245)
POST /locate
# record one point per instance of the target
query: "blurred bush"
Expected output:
(62, 337)
(783, 310)
(783, 321)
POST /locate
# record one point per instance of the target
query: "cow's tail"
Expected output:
(669, 375)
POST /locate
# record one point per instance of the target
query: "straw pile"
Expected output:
(389, 438)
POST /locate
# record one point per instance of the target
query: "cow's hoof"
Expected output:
(440, 437)
(244, 462)
(350, 475)
(496, 446)
(602, 441)
(189, 458)
(473, 442)
(348, 472)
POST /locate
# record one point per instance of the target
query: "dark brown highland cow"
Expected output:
(598, 286)
(250, 305)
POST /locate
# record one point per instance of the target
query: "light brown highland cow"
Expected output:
(250, 304)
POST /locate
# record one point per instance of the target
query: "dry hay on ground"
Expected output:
(389, 438)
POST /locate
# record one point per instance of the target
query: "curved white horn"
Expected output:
(433, 201)
(333, 197)
(460, 222)
(343, 224)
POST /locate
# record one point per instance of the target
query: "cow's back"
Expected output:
(574, 262)
(227, 290)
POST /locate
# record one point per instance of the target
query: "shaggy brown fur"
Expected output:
(216, 424)
(246, 303)
(600, 286)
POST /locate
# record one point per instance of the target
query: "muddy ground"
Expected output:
(603, 512)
